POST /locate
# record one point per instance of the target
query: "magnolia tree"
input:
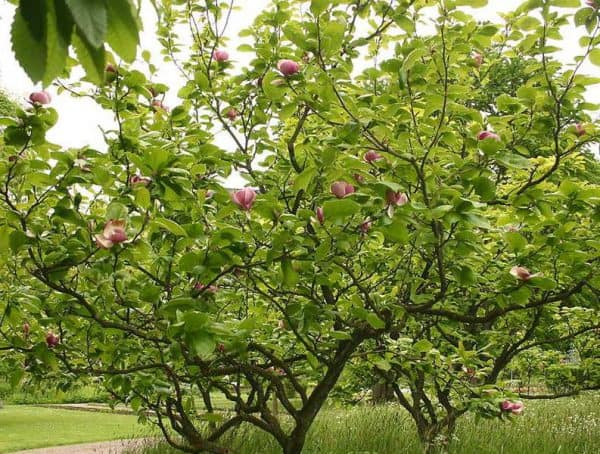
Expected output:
(416, 194)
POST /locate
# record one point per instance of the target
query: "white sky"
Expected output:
(79, 117)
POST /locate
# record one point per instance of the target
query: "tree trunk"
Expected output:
(435, 438)
(382, 393)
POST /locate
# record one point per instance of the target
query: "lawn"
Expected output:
(24, 427)
(569, 426)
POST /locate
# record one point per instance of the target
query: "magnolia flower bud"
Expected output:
(52, 340)
(320, 215)
(231, 114)
(477, 58)
(40, 97)
(341, 189)
(365, 226)
(288, 67)
(220, 55)
(136, 179)
(372, 156)
(244, 198)
(488, 135)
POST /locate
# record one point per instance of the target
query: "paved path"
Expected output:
(106, 447)
(97, 407)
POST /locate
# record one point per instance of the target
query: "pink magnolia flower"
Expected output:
(517, 407)
(220, 55)
(477, 58)
(113, 233)
(592, 3)
(371, 156)
(52, 340)
(320, 215)
(488, 135)
(396, 198)
(232, 114)
(341, 189)
(40, 97)
(365, 226)
(137, 179)
(522, 273)
(506, 405)
(244, 198)
(110, 68)
(288, 67)
(579, 129)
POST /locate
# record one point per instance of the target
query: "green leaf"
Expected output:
(382, 364)
(203, 343)
(170, 225)
(413, 57)
(90, 17)
(477, 220)
(340, 208)
(289, 275)
(396, 232)
(195, 321)
(543, 283)
(566, 3)
(142, 197)
(116, 210)
(303, 180)
(515, 240)
(92, 60)
(123, 29)
(318, 6)
(375, 321)
(332, 37)
(485, 188)
(59, 28)
(472, 3)
(423, 346)
(29, 49)
(16, 240)
(595, 56)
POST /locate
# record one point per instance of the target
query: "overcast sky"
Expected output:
(80, 117)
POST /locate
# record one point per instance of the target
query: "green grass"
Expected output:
(25, 427)
(570, 426)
